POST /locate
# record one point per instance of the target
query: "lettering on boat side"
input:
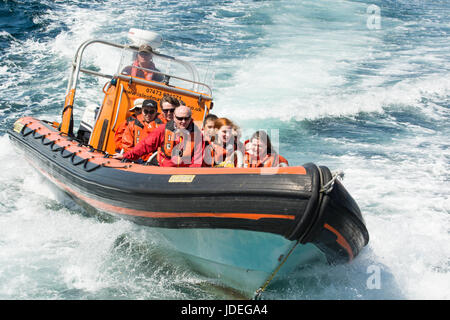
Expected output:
(176, 178)
(225, 310)
(149, 93)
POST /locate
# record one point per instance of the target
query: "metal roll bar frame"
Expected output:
(76, 69)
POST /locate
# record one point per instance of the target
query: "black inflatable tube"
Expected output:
(304, 222)
(300, 194)
(339, 230)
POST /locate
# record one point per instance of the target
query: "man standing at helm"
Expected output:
(143, 65)
(179, 142)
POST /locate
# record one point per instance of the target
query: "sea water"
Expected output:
(358, 86)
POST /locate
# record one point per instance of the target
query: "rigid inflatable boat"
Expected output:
(240, 226)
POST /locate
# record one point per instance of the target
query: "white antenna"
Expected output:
(140, 37)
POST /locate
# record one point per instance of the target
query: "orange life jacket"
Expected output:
(270, 160)
(162, 118)
(176, 146)
(215, 154)
(209, 155)
(120, 131)
(134, 72)
(138, 130)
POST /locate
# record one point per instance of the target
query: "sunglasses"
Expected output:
(168, 110)
(144, 54)
(148, 111)
(183, 118)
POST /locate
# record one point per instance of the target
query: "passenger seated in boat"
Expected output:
(143, 59)
(224, 151)
(208, 127)
(134, 112)
(237, 135)
(179, 142)
(260, 153)
(168, 104)
(142, 126)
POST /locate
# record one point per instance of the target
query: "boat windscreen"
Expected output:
(158, 67)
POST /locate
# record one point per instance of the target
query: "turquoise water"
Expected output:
(336, 83)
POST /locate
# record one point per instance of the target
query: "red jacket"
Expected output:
(155, 140)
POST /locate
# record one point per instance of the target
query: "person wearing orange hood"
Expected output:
(135, 111)
(140, 128)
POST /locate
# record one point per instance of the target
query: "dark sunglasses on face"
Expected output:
(183, 118)
(144, 54)
(149, 111)
(168, 110)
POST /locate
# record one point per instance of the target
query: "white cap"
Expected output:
(137, 104)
